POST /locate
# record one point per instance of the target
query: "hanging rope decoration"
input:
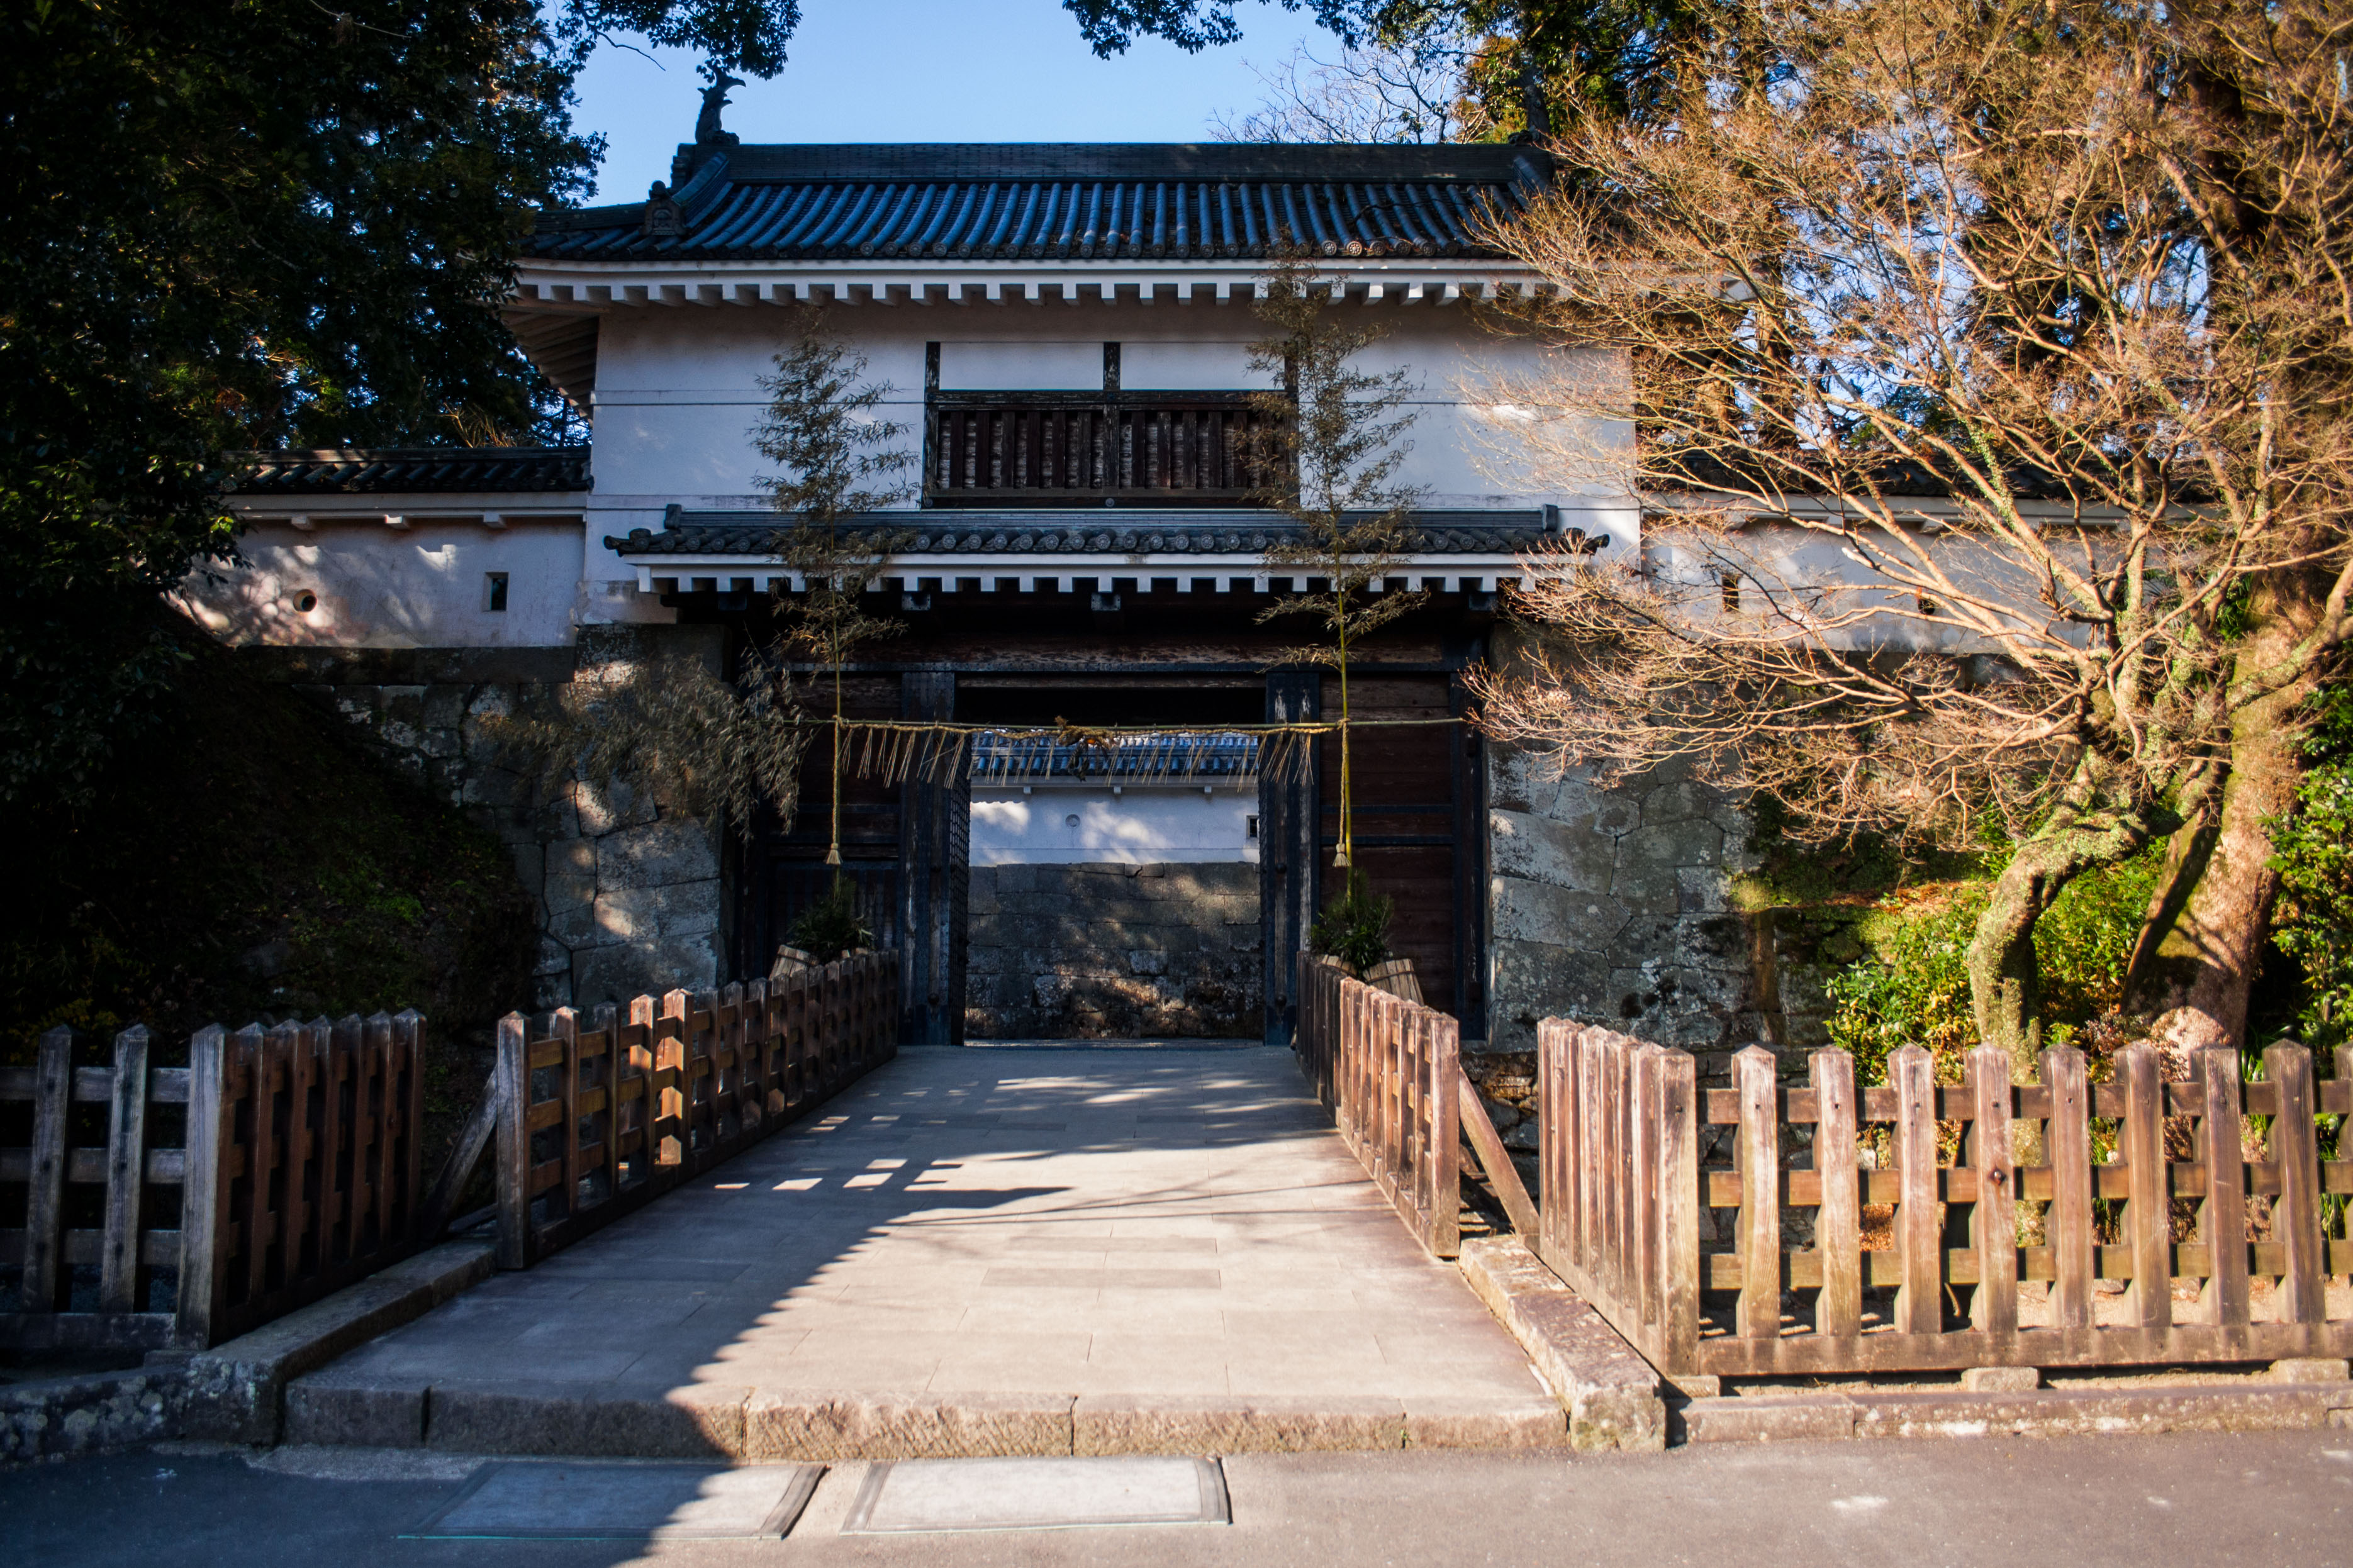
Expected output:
(894, 751)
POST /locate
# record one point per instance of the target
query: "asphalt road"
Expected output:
(2267, 1498)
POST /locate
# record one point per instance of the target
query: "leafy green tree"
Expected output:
(1516, 60)
(272, 222)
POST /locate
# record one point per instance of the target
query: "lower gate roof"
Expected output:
(1473, 547)
(1109, 532)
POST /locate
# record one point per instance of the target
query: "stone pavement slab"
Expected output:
(1109, 1231)
(540, 1500)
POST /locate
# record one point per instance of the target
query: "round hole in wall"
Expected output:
(305, 601)
(1072, 820)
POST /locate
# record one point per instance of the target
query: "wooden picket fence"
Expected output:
(1623, 1187)
(1390, 1072)
(594, 1118)
(280, 1164)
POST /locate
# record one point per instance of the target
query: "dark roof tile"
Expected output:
(1496, 533)
(1080, 202)
(412, 470)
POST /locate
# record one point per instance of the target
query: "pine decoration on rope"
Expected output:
(1355, 929)
(832, 928)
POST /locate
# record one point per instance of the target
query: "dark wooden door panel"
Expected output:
(1407, 786)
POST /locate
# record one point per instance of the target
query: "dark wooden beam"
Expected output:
(1287, 824)
(934, 875)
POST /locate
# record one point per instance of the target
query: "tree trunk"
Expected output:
(2005, 977)
(2196, 987)
(2202, 961)
(2190, 851)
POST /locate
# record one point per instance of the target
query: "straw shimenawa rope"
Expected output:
(893, 750)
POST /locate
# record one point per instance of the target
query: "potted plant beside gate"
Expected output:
(1353, 933)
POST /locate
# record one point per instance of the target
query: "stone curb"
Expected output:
(1610, 1393)
(797, 1424)
(240, 1391)
(2047, 1413)
(236, 1391)
(55, 1417)
(733, 1422)
(1225, 1424)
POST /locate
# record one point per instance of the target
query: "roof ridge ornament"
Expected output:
(707, 132)
(664, 219)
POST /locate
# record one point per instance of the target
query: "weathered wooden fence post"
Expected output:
(202, 1200)
(126, 1174)
(1758, 1155)
(2303, 1277)
(2222, 1213)
(1838, 1223)
(45, 1177)
(514, 1142)
(1993, 1219)
(1919, 1237)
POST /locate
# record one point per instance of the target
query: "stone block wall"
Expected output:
(1110, 951)
(628, 893)
(1616, 907)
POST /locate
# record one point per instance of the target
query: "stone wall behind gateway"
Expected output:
(1112, 951)
(629, 895)
(1618, 907)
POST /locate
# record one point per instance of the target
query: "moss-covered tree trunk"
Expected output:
(2005, 976)
(2196, 961)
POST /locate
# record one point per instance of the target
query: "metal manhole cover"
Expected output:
(908, 1496)
(555, 1501)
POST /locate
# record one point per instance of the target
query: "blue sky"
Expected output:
(932, 70)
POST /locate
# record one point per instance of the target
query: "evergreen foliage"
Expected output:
(2313, 921)
(1354, 929)
(1911, 987)
(1510, 56)
(272, 224)
(832, 927)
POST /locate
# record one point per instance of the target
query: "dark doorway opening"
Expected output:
(1111, 704)
(1114, 905)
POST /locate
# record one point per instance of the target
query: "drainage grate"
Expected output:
(910, 1496)
(553, 1501)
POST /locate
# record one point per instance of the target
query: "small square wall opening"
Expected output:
(494, 591)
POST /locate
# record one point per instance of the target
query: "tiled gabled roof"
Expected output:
(1109, 532)
(416, 470)
(1063, 203)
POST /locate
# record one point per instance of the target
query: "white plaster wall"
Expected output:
(677, 390)
(1204, 366)
(1813, 574)
(422, 586)
(989, 364)
(1063, 824)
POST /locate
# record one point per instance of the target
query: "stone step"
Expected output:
(1610, 1393)
(744, 1423)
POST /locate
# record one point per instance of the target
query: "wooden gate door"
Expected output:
(1418, 792)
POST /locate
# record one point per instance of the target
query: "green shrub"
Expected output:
(2312, 849)
(1356, 929)
(1913, 986)
(831, 927)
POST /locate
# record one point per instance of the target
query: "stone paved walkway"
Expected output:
(1157, 1223)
